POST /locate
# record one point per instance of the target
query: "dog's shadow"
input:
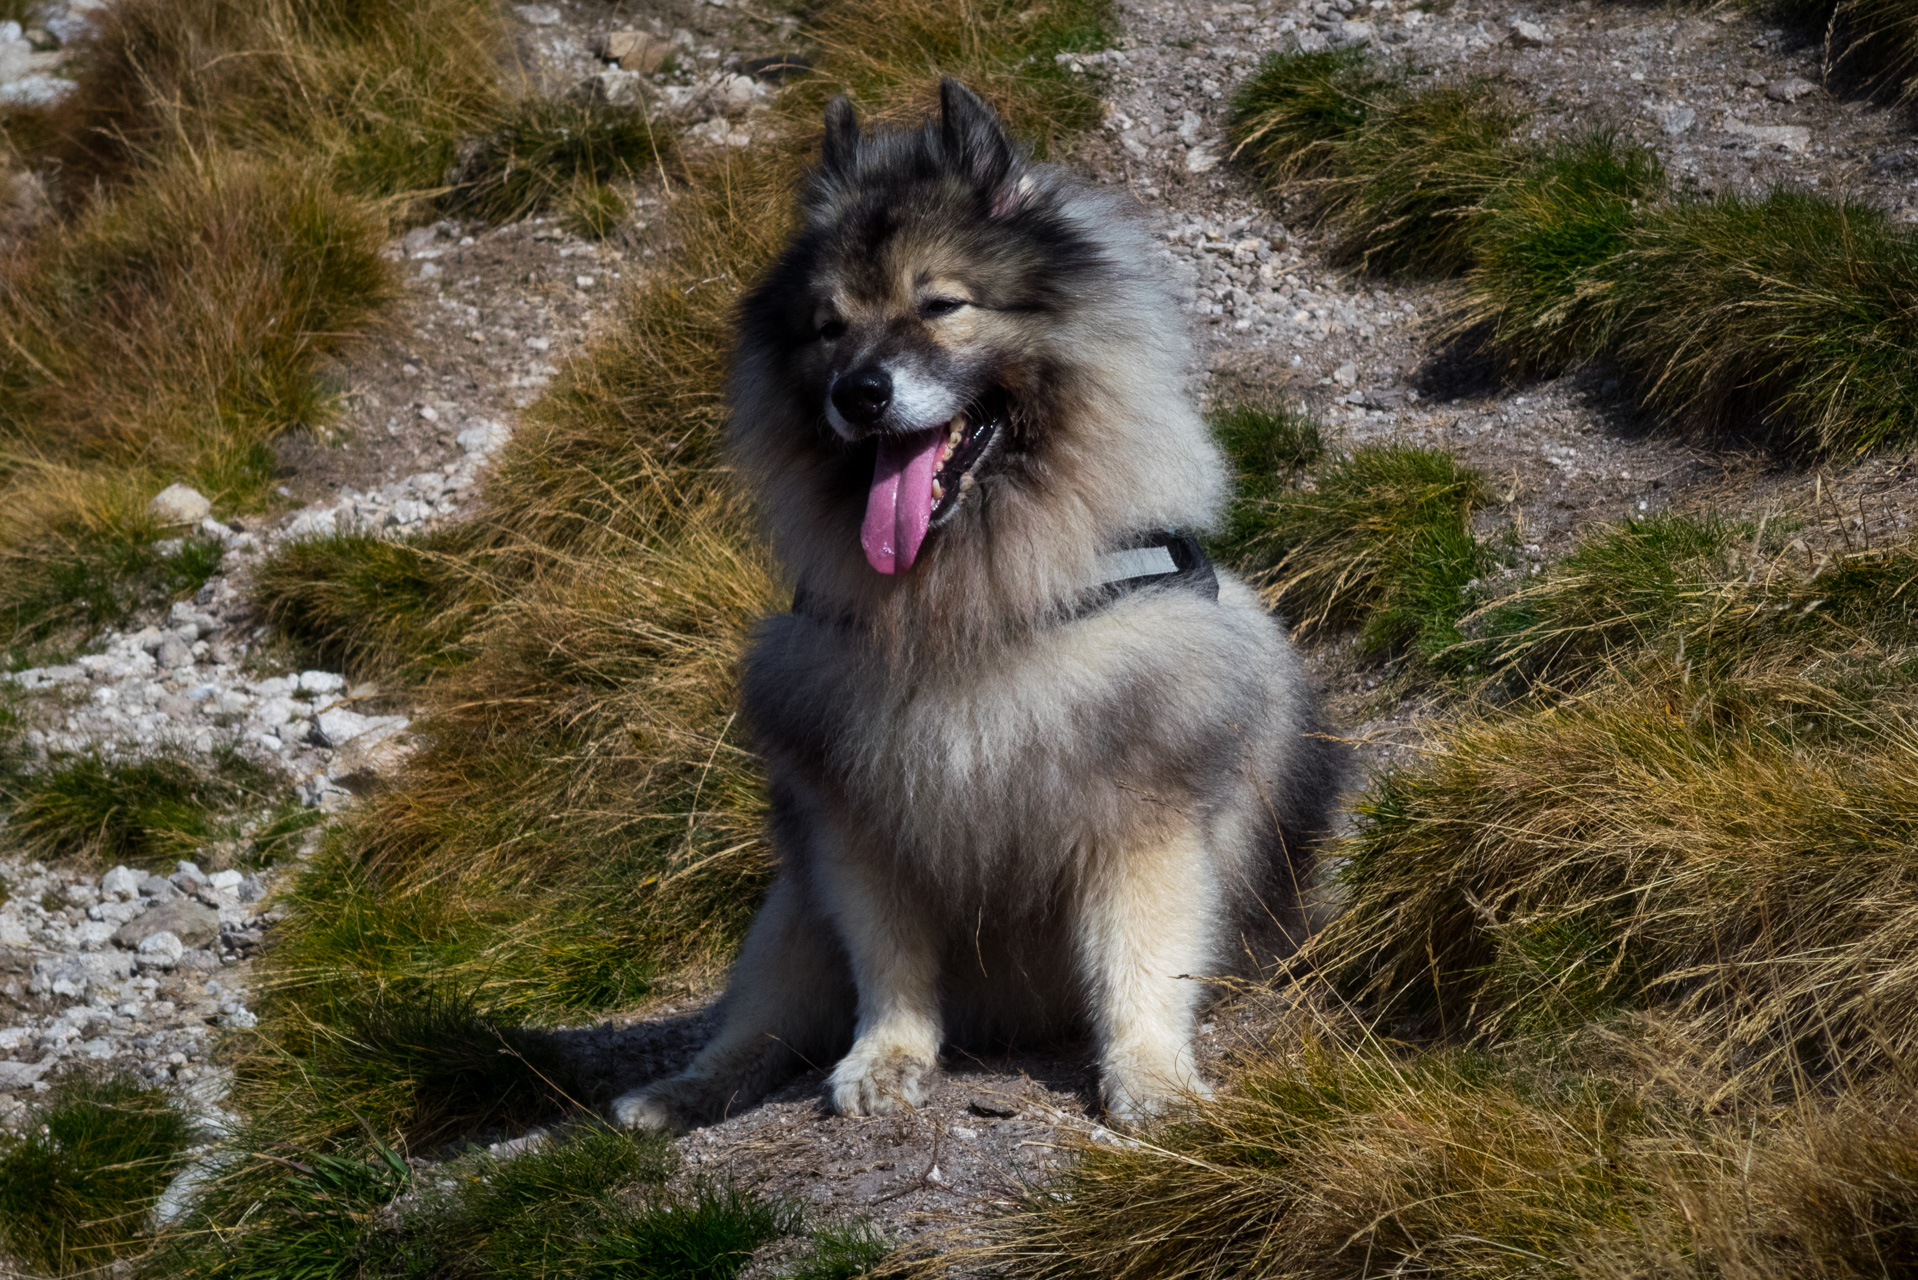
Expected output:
(605, 1061)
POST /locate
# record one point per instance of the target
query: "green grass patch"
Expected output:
(1788, 317)
(1400, 171)
(1294, 116)
(1544, 273)
(62, 587)
(1655, 845)
(589, 1202)
(1381, 541)
(369, 605)
(146, 810)
(1268, 447)
(76, 1184)
(422, 1060)
(1410, 185)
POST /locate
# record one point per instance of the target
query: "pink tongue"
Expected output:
(900, 505)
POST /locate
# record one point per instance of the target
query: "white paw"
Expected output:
(878, 1081)
(644, 1109)
(1132, 1097)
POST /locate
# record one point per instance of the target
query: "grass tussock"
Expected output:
(1380, 541)
(1794, 319)
(83, 555)
(174, 330)
(1656, 846)
(1868, 45)
(146, 810)
(77, 1182)
(1543, 277)
(546, 152)
(1784, 317)
(1409, 185)
(1335, 1157)
(377, 94)
(1294, 116)
(369, 605)
(1400, 171)
(1714, 595)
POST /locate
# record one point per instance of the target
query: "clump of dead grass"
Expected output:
(1663, 843)
(174, 330)
(1334, 1156)
(377, 93)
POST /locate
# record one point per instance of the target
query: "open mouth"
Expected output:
(919, 480)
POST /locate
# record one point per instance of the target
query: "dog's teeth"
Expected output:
(938, 491)
(965, 482)
(945, 453)
(956, 436)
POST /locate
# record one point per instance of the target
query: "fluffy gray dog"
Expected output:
(1036, 766)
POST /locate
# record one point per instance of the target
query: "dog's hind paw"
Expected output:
(878, 1083)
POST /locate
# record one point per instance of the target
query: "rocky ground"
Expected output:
(1729, 104)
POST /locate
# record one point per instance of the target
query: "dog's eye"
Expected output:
(933, 308)
(832, 330)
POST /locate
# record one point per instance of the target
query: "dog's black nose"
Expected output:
(862, 395)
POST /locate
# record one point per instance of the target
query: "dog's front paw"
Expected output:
(878, 1081)
(660, 1107)
(1133, 1098)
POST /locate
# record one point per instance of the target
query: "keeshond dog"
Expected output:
(1036, 767)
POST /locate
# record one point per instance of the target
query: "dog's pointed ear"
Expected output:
(975, 141)
(840, 147)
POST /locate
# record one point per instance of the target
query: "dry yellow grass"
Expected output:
(1337, 1157)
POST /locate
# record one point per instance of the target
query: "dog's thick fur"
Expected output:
(1001, 813)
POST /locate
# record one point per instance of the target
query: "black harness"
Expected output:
(1160, 558)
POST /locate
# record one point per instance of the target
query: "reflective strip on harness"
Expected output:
(1135, 562)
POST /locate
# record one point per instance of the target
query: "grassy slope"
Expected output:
(1782, 317)
(226, 173)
